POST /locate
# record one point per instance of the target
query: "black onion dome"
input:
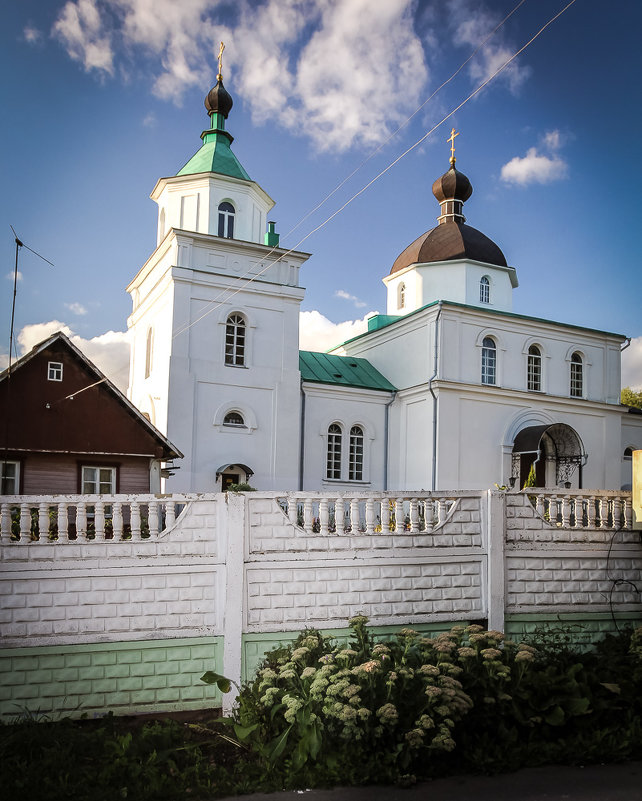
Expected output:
(453, 185)
(447, 243)
(219, 100)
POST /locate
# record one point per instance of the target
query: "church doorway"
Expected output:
(232, 474)
(554, 451)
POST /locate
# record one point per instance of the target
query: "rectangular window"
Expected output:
(54, 371)
(576, 380)
(355, 462)
(489, 366)
(333, 463)
(535, 373)
(98, 480)
(10, 478)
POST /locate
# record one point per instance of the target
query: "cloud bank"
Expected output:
(537, 166)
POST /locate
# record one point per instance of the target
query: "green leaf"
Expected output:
(555, 717)
(614, 688)
(243, 732)
(578, 706)
(222, 682)
(277, 746)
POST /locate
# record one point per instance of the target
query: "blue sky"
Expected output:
(102, 97)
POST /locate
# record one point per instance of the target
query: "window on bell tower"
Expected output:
(226, 214)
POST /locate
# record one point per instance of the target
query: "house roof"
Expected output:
(169, 450)
(347, 371)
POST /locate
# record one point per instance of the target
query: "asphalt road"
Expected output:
(592, 783)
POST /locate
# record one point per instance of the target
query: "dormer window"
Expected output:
(484, 290)
(226, 220)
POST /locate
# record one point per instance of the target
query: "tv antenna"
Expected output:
(19, 244)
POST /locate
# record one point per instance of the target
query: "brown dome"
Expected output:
(447, 243)
(452, 185)
(218, 99)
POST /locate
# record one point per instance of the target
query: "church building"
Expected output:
(450, 389)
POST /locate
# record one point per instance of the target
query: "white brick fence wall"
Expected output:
(122, 602)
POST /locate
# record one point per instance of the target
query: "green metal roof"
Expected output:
(346, 371)
(215, 156)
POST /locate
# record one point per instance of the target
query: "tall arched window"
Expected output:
(577, 375)
(355, 462)
(534, 373)
(484, 290)
(401, 296)
(489, 361)
(333, 461)
(149, 352)
(226, 220)
(235, 340)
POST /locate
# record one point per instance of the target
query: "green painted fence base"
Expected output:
(581, 629)
(121, 677)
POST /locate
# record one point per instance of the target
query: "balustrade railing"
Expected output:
(87, 518)
(576, 509)
(368, 513)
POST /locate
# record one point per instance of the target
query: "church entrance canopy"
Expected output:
(553, 444)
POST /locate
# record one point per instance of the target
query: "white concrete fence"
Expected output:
(242, 572)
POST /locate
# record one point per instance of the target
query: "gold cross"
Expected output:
(451, 139)
(220, 60)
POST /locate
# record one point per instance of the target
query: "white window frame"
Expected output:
(98, 480)
(4, 478)
(235, 343)
(534, 369)
(484, 289)
(489, 362)
(225, 227)
(54, 371)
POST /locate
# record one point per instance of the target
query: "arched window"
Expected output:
(233, 418)
(534, 372)
(484, 290)
(333, 461)
(235, 340)
(226, 220)
(489, 361)
(161, 225)
(401, 296)
(149, 352)
(628, 455)
(355, 463)
(577, 376)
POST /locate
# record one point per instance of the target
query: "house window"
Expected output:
(149, 352)
(235, 341)
(534, 373)
(98, 480)
(355, 463)
(628, 455)
(333, 463)
(54, 371)
(489, 361)
(233, 419)
(484, 290)
(577, 376)
(226, 220)
(10, 478)
(401, 296)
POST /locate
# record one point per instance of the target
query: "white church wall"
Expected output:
(346, 406)
(411, 464)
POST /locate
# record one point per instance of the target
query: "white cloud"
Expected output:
(81, 29)
(76, 308)
(109, 351)
(317, 333)
(536, 166)
(32, 35)
(341, 293)
(471, 23)
(632, 365)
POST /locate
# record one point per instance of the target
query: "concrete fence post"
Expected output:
(233, 519)
(495, 536)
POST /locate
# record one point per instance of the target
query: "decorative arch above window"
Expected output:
(577, 375)
(534, 369)
(401, 296)
(333, 455)
(235, 331)
(484, 289)
(226, 213)
(489, 361)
